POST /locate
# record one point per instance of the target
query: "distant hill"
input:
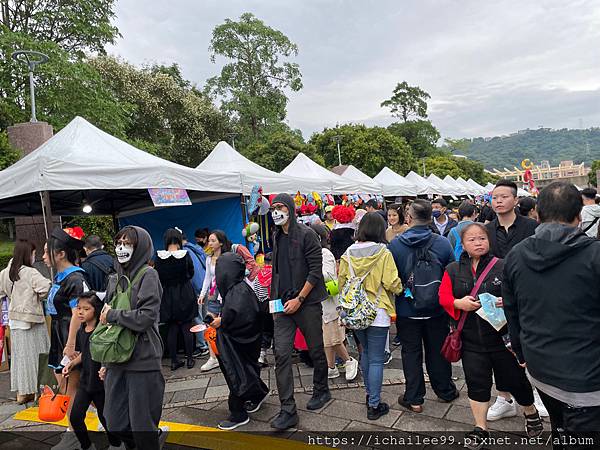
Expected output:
(537, 145)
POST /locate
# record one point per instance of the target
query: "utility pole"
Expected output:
(337, 139)
(232, 136)
(32, 59)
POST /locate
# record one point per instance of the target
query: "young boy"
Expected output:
(262, 289)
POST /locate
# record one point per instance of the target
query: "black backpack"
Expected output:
(106, 270)
(424, 277)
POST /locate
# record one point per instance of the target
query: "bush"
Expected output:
(4, 259)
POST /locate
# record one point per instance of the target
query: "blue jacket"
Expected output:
(199, 260)
(402, 247)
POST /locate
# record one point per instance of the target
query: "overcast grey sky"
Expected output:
(490, 67)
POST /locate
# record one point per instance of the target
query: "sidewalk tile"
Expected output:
(217, 380)
(425, 424)
(348, 410)
(195, 383)
(431, 408)
(188, 395)
(216, 391)
(311, 421)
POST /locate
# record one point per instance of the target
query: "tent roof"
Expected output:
(447, 189)
(84, 161)
(395, 185)
(480, 189)
(304, 167)
(424, 187)
(224, 158)
(354, 174)
(459, 187)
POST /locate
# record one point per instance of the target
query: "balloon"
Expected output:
(263, 206)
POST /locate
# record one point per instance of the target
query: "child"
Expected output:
(91, 388)
(262, 289)
(238, 341)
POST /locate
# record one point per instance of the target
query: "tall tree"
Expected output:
(251, 85)
(8, 155)
(592, 176)
(421, 135)
(407, 101)
(75, 25)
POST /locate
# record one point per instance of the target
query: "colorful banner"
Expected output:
(169, 197)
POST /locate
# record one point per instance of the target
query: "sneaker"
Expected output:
(252, 407)
(163, 432)
(232, 424)
(68, 441)
(375, 413)
(387, 358)
(284, 420)
(501, 409)
(534, 425)
(396, 341)
(200, 352)
(341, 366)
(539, 405)
(333, 373)
(210, 364)
(351, 369)
(317, 401)
(475, 439)
(262, 359)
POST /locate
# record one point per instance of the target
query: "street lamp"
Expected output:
(337, 138)
(232, 136)
(32, 59)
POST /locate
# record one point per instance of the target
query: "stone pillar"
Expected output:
(26, 137)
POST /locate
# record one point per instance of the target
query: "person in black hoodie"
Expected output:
(483, 349)
(135, 389)
(551, 296)
(98, 264)
(238, 341)
(298, 282)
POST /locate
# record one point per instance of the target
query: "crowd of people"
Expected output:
(517, 279)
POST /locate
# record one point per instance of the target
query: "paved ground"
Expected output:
(199, 398)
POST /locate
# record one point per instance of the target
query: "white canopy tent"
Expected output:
(395, 185)
(354, 174)
(489, 187)
(304, 167)
(82, 162)
(520, 191)
(470, 189)
(479, 188)
(225, 159)
(424, 187)
(459, 188)
(446, 188)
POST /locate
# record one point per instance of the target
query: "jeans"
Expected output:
(197, 321)
(572, 426)
(429, 334)
(372, 341)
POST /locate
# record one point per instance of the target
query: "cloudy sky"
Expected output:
(490, 67)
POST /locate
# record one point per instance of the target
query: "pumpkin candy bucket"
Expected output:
(53, 406)
(210, 336)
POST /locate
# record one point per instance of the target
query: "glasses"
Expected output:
(277, 208)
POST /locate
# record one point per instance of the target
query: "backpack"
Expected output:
(458, 248)
(112, 343)
(357, 311)
(106, 270)
(425, 273)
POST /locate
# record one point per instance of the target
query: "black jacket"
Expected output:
(178, 303)
(98, 266)
(305, 257)
(477, 335)
(451, 224)
(521, 229)
(551, 296)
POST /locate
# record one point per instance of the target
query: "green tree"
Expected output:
(407, 101)
(368, 149)
(251, 85)
(442, 166)
(592, 179)
(421, 135)
(8, 155)
(74, 25)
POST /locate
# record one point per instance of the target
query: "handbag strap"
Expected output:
(475, 289)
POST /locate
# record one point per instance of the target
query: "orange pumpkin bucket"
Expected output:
(53, 407)
(210, 336)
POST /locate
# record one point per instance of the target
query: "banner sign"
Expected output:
(169, 197)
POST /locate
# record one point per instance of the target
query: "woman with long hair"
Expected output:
(396, 225)
(25, 289)
(209, 298)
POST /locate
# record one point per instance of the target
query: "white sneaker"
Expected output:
(502, 409)
(68, 441)
(351, 369)
(539, 405)
(333, 373)
(210, 364)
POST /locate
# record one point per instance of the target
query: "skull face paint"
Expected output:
(124, 253)
(280, 217)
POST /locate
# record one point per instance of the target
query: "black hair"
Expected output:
(173, 236)
(129, 233)
(93, 299)
(323, 233)
(526, 204)
(474, 224)
(56, 246)
(372, 203)
(421, 210)
(399, 210)
(509, 184)
(93, 242)
(559, 202)
(21, 257)
(466, 209)
(440, 201)
(202, 233)
(589, 193)
(372, 229)
(222, 238)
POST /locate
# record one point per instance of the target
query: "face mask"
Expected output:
(436, 214)
(124, 253)
(279, 217)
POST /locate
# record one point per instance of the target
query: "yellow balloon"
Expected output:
(526, 164)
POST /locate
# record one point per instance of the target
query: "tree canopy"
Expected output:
(407, 101)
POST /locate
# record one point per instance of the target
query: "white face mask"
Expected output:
(124, 253)
(279, 217)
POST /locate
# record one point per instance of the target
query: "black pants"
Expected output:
(81, 403)
(478, 368)
(188, 339)
(134, 406)
(266, 320)
(572, 426)
(309, 319)
(416, 334)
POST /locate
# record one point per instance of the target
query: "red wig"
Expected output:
(343, 214)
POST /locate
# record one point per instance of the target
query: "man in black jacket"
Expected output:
(551, 295)
(298, 282)
(98, 264)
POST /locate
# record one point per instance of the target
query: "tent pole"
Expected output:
(46, 212)
(244, 209)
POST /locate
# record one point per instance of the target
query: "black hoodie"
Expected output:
(551, 294)
(145, 307)
(239, 316)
